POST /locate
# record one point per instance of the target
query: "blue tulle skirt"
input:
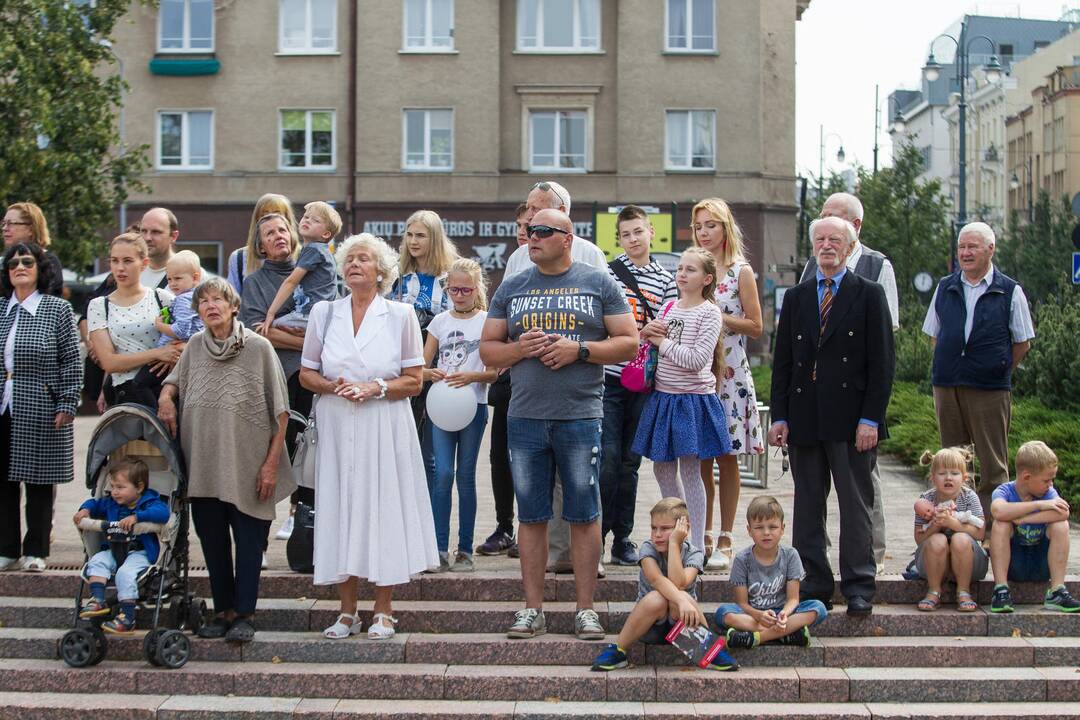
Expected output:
(673, 426)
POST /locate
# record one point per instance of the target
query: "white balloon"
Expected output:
(451, 408)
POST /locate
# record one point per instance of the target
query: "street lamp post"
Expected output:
(1014, 184)
(932, 71)
(840, 155)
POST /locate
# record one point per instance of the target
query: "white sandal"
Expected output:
(378, 631)
(340, 630)
(721, 556)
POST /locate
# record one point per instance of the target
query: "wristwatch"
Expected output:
(382, 388)
(583, 351)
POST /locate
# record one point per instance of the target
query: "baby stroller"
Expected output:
(135, 431)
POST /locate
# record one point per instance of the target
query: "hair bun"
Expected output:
(926, 458)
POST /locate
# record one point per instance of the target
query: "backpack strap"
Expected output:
(240, 271)
(627, 278)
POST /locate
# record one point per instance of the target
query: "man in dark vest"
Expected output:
(981, 326)
(831, 380)
(874, 266)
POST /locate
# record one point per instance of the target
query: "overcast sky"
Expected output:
(844, 47)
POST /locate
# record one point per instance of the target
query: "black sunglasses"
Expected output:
(25, 260)
(547, 187)
(544, 231)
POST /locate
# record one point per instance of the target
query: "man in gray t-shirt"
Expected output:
(556, 325)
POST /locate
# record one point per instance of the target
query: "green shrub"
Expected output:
(914, 350)
(1051, 370)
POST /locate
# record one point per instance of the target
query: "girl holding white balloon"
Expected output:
(457, 406)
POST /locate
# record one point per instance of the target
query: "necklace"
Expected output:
(465, 314)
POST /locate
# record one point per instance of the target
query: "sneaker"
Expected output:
(93, 609)
(1002, 602)
(1060, 599)
(463, 562)
(513, 552)
(724, 662)
(624, 552)
(528, 623)
(799, 638)
(497, 543)
(6, 563)
(119, 625)
(587, 625)
(741, 638)
(33, 564)
(286, 529)
(611, 658)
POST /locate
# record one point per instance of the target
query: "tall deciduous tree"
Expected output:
(60, 91)
(1038, 254)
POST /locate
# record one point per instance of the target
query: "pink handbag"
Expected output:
(639, 373)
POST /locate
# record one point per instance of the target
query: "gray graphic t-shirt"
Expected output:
(572, 304)
(766, 585)
(691, 558)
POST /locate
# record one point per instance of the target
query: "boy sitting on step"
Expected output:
(765, 578)
(130, 500)
(667, 588)
(1029, 540)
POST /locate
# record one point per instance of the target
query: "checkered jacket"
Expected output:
(47, 380)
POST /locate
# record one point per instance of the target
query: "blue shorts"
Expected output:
(539, 448)
(1027, 563)
(814, 606)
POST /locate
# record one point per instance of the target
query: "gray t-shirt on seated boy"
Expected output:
(766, 585)
(691, 558)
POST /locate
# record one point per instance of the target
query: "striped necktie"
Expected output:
(824, 308)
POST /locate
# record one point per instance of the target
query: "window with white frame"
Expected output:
(557, 140)
(429, 25)
(559, 25)
(428, 139)
(186, 26)
(691, 139)
(690, 26)
(185, 140)
(307, 26)
(307, 140)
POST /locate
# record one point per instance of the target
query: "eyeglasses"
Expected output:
(25, 260)
(460, 290)
(6, 223)
(545, 231)
(548, 187)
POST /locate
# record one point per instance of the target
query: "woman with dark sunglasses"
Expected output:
(43, 375)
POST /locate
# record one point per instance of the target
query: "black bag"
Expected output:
(300, 549)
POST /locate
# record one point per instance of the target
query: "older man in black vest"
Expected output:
(872, 265)
(832, 377)
(981, 326)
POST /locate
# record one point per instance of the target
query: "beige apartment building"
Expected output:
(384, 107)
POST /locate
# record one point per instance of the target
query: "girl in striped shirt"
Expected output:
(683, 422)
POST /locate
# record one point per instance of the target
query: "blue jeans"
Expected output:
(619, 464)
(540, 447)
(103, 564)
(466, 444)
(814, 606)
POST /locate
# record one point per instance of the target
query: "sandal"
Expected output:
(378, 631)
(215, 629)
(965, 602)
(242, 630)
(710, 545)
(340, 630)
(930, 602)
(721, 557)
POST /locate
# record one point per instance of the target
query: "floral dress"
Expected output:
(736, 391)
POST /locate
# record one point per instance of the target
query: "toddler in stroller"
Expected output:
(130, 500)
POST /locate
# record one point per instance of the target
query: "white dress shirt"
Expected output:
(580, 251)
(30, 304)
(1020, 326)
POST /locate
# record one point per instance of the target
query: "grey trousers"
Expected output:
(877, 516)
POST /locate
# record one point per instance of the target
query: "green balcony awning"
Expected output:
(185, 66)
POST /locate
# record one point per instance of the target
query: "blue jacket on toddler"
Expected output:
(150, 508)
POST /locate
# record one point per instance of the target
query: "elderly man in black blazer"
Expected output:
(832, 376)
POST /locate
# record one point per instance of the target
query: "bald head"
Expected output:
(554, 218)
(844, 205)
(160, 229)
(551, 253)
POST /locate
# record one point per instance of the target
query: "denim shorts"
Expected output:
(540, 448)
(1028, 563)
(814, 606)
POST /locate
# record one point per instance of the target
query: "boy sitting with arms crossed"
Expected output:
(183, 273)
(766, 577)
(129, 501)
(667, 588)
(1029, 540)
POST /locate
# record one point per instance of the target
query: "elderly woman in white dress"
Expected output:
(363, 359)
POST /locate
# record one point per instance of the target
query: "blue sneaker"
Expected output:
(724, 662)
(611, 658)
